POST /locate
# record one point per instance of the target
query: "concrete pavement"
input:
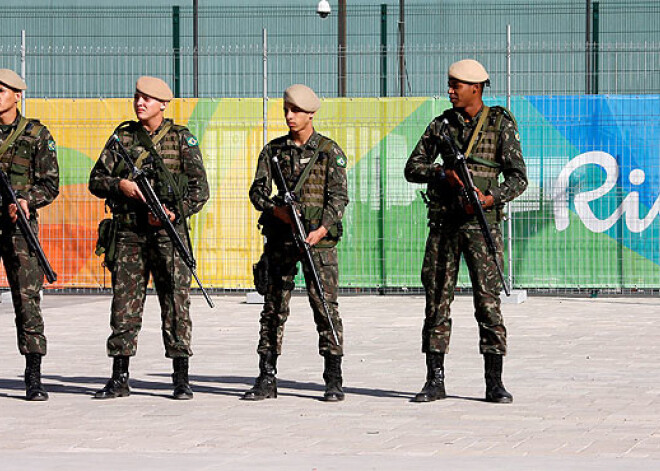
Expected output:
(585, 374)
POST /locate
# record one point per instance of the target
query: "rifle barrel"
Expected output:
(24, 226)
(300, 236)
(470, 192)
(156, 208)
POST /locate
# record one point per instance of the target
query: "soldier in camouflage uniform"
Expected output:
(323, 196)
(454, 230)
(27, 156)
(169, 154)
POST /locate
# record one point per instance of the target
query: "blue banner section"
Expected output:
(610, 175)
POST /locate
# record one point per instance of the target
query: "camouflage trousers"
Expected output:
(444, 247)
(282, 268)
(139, 255)
(26, 279)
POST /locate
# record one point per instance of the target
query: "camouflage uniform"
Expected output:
(31, 165)
(143, 249)
(453, 232)
(323, 197)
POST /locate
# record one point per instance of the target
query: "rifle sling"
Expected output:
(148, 143)
(480, 124)
(473, 139)
(150, 146)
(323, 147)
(12, 137)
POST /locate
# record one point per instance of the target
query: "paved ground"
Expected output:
(585, 374)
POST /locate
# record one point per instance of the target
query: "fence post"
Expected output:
(383, 49)
(23, 71)
(341, 31)
(587, 49)
(595, 20)
(382, 201)
(176, 47)
(265, 84)
(509, 221)
(402, 48)
(195, 48)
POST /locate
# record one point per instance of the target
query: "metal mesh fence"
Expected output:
(561, 47)
(589, 219)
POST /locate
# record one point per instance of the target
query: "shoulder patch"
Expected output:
(51, 144)
(341, 161)
(192, 141)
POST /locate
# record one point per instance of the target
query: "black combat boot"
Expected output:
(180, 379)
(495, 391)
(265, 386)
(34, 390)
(117, 386)
(434, 388)
(333, 379)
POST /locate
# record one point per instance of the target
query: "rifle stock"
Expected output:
(470, 193)
(300, 236)
(156, 208)
(9, 197)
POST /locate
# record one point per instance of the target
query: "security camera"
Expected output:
(323, 9)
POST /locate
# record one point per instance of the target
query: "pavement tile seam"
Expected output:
(566, 405)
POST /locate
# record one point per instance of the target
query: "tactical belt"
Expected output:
(127, 219)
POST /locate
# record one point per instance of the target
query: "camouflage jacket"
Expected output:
(180, 153)
(325, 187)
(498, 142)
(31, 163)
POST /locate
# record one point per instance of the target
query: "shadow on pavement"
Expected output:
(299, 387)
(87, 385)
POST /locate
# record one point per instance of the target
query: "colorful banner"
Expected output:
(588, 219)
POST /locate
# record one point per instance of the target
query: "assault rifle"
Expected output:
(156, 208)
(9, 197)
(300, 236)
(469, 192)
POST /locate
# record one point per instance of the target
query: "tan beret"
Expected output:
(469, 71)
(154, 87)
(303, 97)
(12, 80)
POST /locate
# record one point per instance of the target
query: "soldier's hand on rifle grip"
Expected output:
(282, 213)
(154, 221)
(452, 178)
(13, 211)
(130, 189)
(315, 236)
(486, 201)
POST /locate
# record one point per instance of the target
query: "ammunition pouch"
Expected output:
(312, 220)
(260, 272)
(19, 172)
(163, 187)
(107, 242)
(436, 216)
